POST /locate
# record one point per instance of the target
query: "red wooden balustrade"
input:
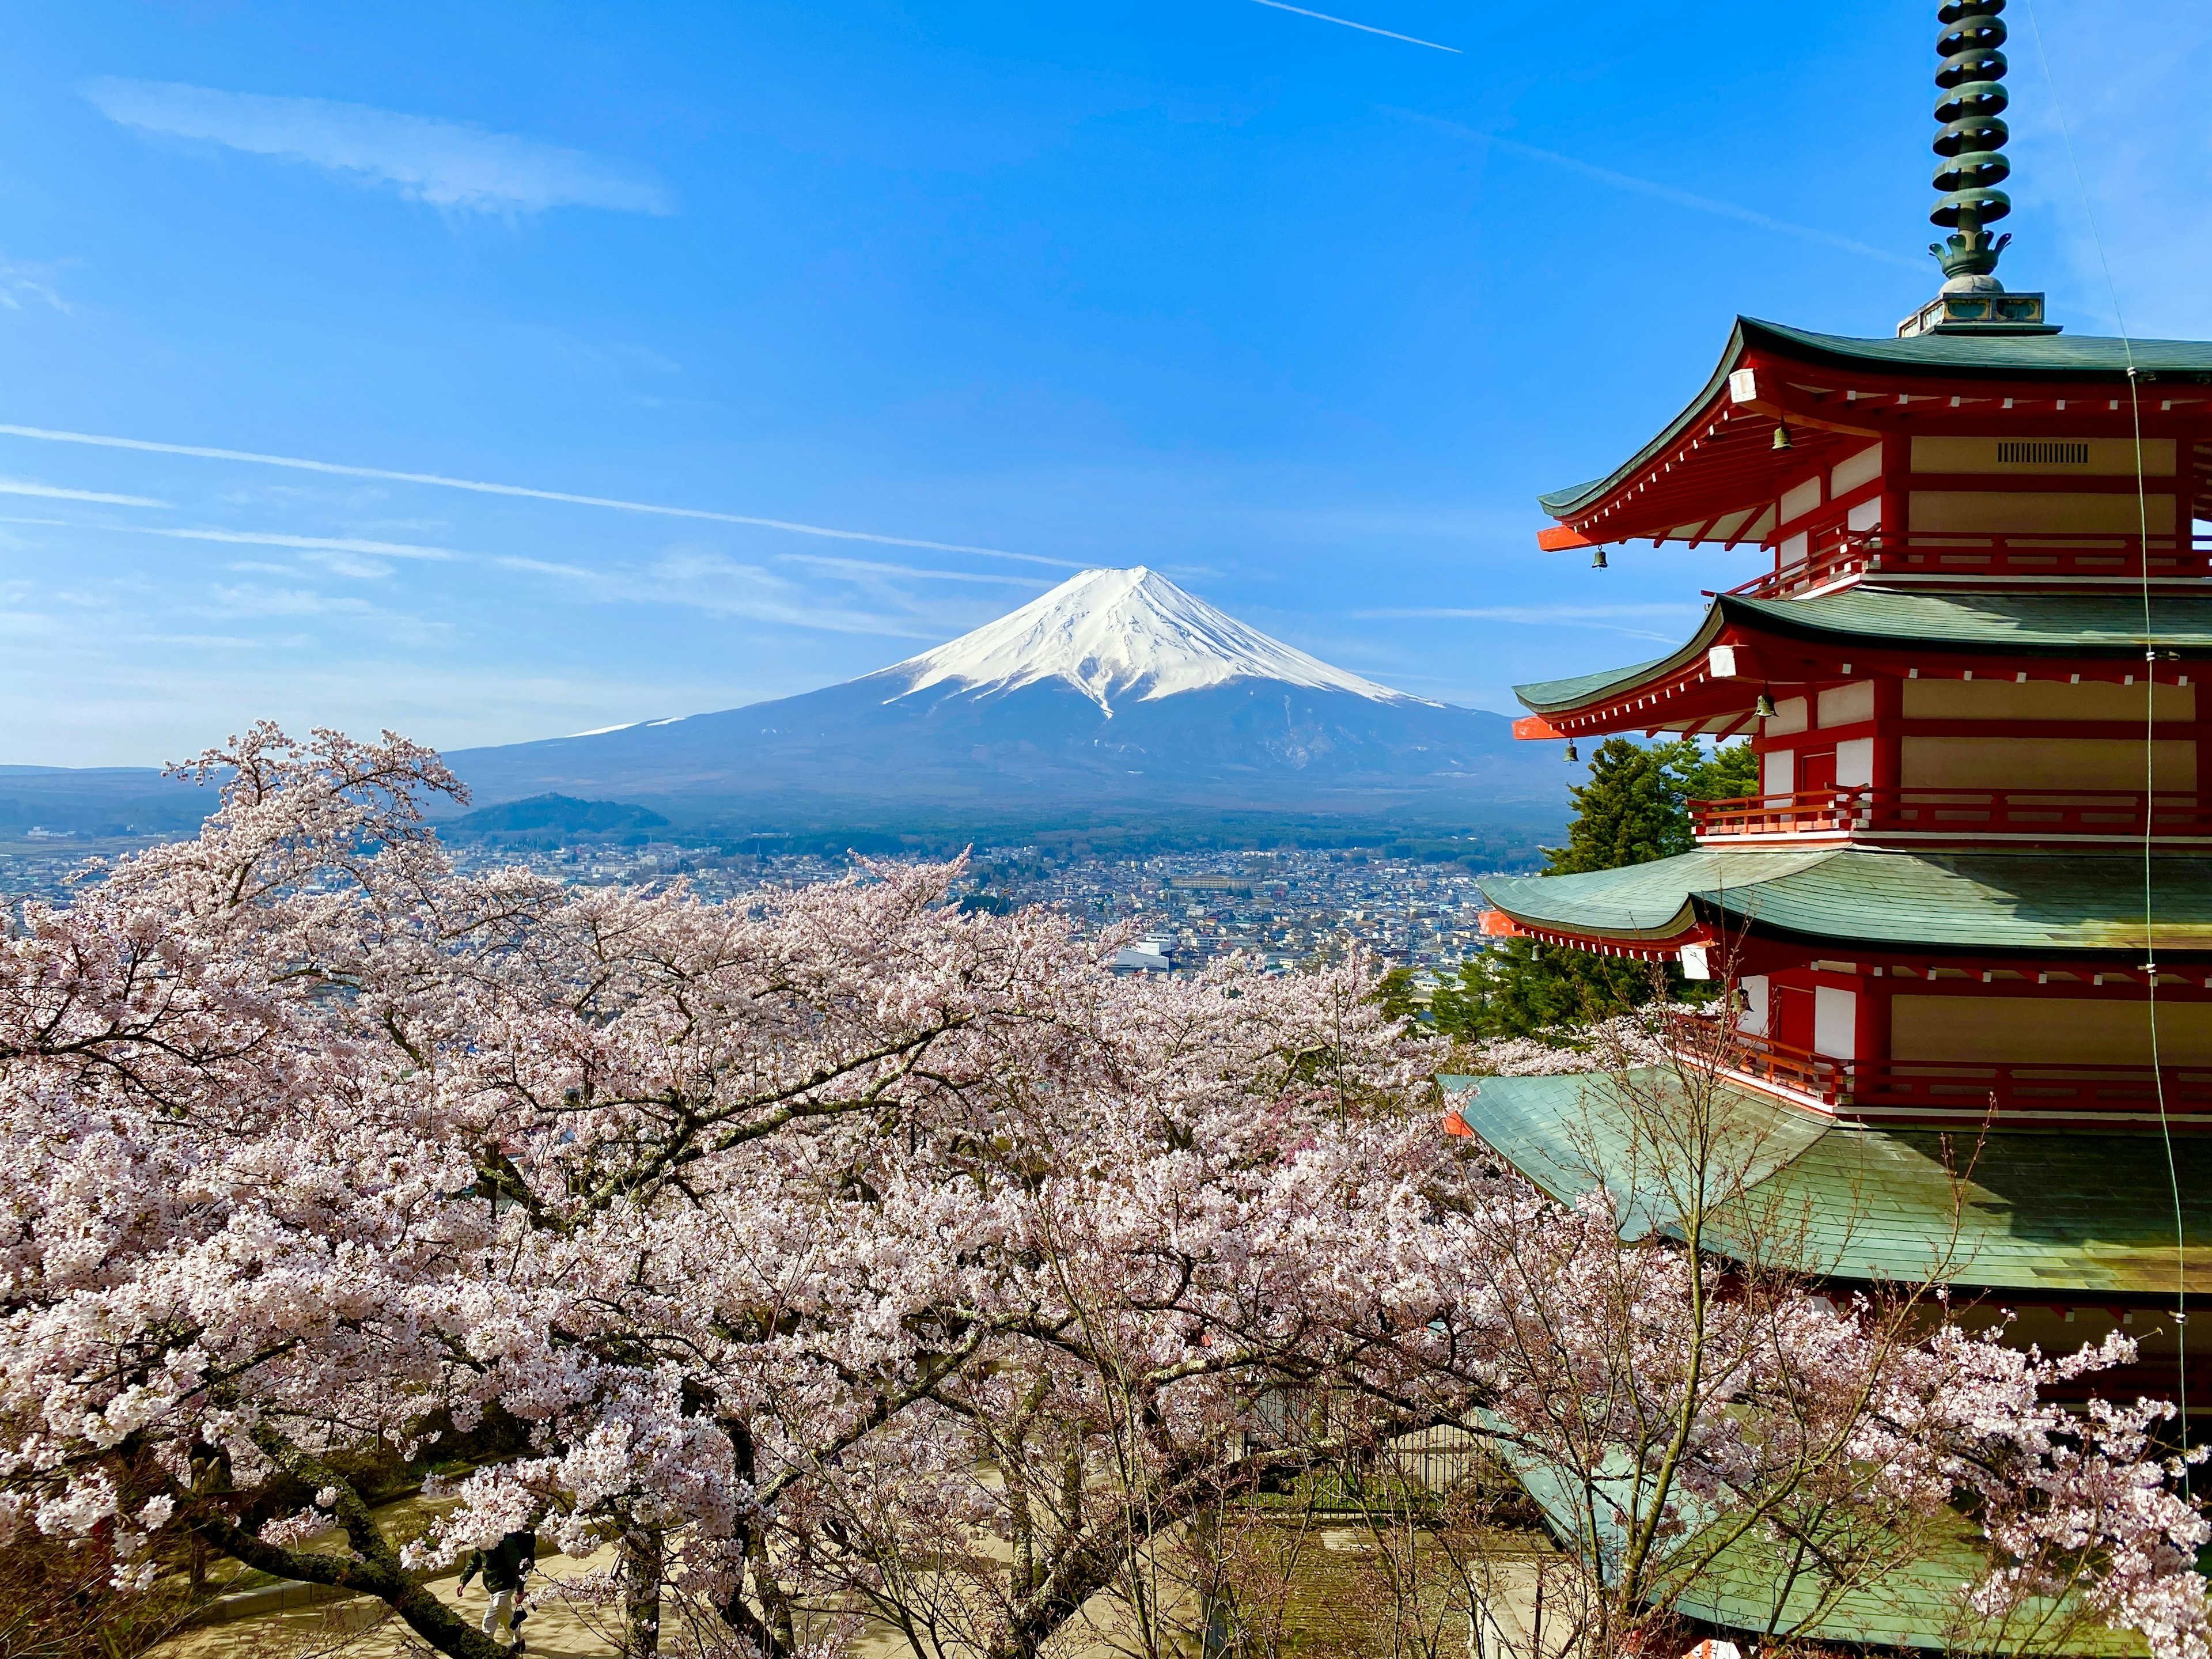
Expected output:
(2113, 813)
(1835, 554)
(1969, 1089)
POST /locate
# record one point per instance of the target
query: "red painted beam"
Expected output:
(1560, 539)
(1535, 728)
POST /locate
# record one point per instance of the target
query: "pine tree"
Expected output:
(1632, 810)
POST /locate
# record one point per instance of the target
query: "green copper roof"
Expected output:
(1986, 902)
(1548, 695)
(2020, 357)
(1995, 624)
(2029, 625)
(2070, 1214)
(2034, 1218)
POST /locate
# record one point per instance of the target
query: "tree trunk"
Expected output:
(643, 1549)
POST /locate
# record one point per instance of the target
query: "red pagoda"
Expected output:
(1974, 888)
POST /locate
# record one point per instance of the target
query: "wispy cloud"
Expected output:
(1364, 28)
(704, 579)
(1683, 198)
(480, 487)
(872, 568)
(248, 600)
(18, 282)
(56, 492)
(306, 544)
(449, 164)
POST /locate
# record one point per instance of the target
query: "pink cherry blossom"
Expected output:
(778, 1245)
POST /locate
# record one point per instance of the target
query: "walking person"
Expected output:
(504, 1566)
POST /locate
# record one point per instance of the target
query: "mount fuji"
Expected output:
(1115, 688)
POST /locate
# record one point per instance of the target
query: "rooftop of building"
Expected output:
(2096, 624)
(1983, 903)
(2066, 1214)
(1720, 444)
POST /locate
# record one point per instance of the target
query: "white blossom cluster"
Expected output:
(783, 1250)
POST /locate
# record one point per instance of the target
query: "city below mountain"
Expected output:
(1118, 688)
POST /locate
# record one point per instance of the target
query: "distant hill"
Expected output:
(1115, 689)
(98, 801)
(562, 813)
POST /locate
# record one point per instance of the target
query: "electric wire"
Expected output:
(2150, 732)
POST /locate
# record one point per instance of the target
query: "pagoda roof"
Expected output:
(1734, 466)
(2065, 1213)
(1965, 624)
(1980, 903)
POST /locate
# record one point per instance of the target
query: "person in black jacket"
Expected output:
(504, 1566)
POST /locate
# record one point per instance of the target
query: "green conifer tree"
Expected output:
(1632, 810)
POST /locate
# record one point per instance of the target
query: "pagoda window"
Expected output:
(1835, 1023)
(2043, 458)
(1752, 1018)
(2042, 700)
(1974, 762)
(2067, 512)
(1855, 763)
(2046, 1030)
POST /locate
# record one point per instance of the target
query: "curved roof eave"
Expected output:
(2034, 624)
(1853, 899)
(1564, 503)
(1549, 696)
(2036, 357)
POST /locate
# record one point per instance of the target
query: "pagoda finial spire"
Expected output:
(1970, 106)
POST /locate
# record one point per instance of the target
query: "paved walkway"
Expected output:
(362, 1628)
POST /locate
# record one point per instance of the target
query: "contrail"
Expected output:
(482, 488)
(1364, 28)
(28, 487)
(1663, 192)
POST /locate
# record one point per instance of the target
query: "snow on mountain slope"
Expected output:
(1125, 635)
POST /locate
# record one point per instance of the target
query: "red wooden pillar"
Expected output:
(1888, 747)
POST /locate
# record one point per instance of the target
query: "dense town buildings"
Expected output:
(1288, 906)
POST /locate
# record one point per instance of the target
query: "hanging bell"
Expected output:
(1572, 757)
(1765, 708)
(1782, 437)
(1597, 559)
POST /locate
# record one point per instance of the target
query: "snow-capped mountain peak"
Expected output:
(1123, 635)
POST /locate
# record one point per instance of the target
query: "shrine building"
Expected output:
(1975, 890)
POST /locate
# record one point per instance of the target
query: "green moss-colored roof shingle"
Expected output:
(1984, 902)
(2024, 625)
(2100, 625)
(2017, 357)
(2068, 1214)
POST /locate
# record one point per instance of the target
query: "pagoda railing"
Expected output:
(1968, 1089)
(2074, 814)
(1699, 1038)
(1975, 1086)
(1835, 555)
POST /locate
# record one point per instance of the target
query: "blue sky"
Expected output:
(1301, 314)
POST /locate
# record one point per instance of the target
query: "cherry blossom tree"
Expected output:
(847, 1255)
